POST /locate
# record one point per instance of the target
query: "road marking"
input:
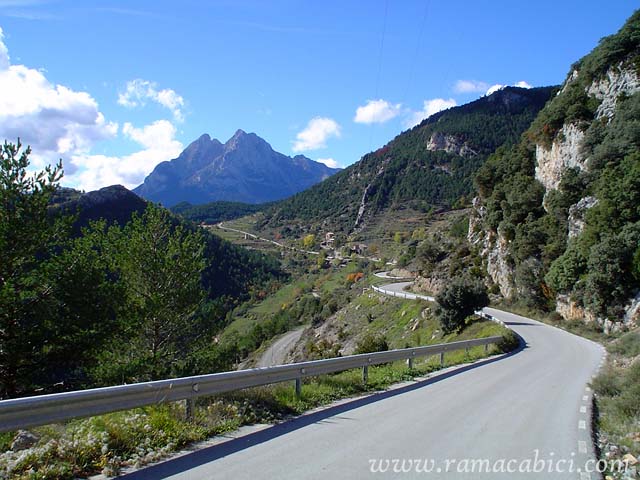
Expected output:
(585, 398)
(582, 446)
(585, 476)
(582, 425)
(583, 409)
(588, 389)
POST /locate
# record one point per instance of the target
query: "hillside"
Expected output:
(557, 221)
(431, 165)
(244, 169)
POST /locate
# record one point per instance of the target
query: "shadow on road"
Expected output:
(210, 454)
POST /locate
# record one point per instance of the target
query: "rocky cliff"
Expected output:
(560, 167)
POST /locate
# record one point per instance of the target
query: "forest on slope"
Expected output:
(430, 165)
(86, 302)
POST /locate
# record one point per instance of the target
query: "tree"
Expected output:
(459, 299)
(309, 241)
(160, 264)
(27, 236)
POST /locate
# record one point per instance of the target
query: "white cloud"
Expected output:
(498, 86)
(473, 86)
(494, 88)
(329, 162)
(53, 119)
(376, 111)
(139, 91)
(316, 134)
(522, 84)
(470, 86)
(429, 108)
(158, 142)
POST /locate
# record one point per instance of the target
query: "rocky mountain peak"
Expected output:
(244, 169)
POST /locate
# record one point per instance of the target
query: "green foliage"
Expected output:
(566, 270)
(59, 300)
(459, 299)
(216, 212)
(159, 266)
(371, 343)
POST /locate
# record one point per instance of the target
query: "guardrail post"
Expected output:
(486, 347)
(442, 359)
(189, 408)
(410, 363)
(298, 387)
(365, 374)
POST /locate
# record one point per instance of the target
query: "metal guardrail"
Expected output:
(45, 409)
(405, 295)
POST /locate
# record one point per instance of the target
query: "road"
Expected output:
(277, 352)
(262, 239)
(500, 411)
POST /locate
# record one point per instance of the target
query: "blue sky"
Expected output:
(113, 87)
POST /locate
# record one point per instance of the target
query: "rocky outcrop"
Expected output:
(621, 79)
(566, 148)
(429, 285)
(494, 249)
(570, 310)
(565, 152)
(450, 144)
(577, 212)
(23, 440)
(632, 312)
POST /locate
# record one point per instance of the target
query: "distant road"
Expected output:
(256, 237)
(277, 353)
(500, 410)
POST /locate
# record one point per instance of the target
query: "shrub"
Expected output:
(372, 343)
(459, 299)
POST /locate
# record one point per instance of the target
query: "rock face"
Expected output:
(244, 169)
(563, 154)
(450, 144)
(576, 220)
(565, 151)
(494, 249)
(429, 285)
(618, 80)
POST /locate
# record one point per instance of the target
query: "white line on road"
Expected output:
(582, 425)
(582, 446)
(583, 409)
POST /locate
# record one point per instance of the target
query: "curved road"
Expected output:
(498, 412)
(277, 352)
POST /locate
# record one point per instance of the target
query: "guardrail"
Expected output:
(406, 295)
(45, 409)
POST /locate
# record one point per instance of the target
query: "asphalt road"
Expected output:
(499, 412)
(277, 352)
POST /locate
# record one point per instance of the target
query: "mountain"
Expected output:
(431, 165)
(245, 169)
(113, 204)
(557, 220)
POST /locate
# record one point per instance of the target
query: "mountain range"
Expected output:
(244, 169)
